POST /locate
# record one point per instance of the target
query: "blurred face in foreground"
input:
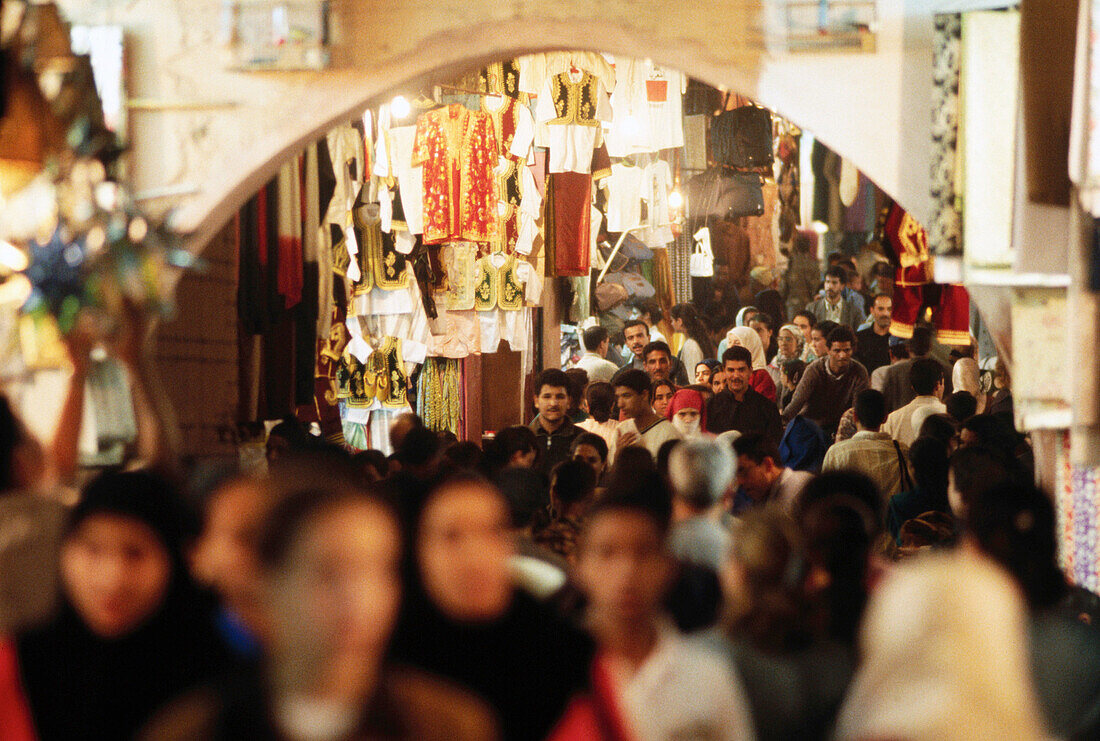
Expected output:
(332, 603)
(116, 571)
(223, 556)
(622, 567)
(463, 551)
(631, 403)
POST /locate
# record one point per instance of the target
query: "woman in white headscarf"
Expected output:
(791, 343)
(747, 338)
(965, 377)
(944, 645)
(744, 316)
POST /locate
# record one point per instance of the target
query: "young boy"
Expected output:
(642, 425)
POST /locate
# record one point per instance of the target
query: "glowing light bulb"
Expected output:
(820, 227)
(399, 107)
(675, 200)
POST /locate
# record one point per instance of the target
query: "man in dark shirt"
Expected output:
(739, 406)
(873, 343)
(552, 427)
(896, 387)
(636, 333)
(829, 385)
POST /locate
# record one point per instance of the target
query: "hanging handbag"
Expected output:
(741, 194)
(609, 295)
(724, 195)
(702, 258)
(743, 137)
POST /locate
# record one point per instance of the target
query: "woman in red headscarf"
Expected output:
(688, 414)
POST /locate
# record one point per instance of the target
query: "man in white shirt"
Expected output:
(596, 342)
(926, 378)
(642, 425)
(663, 685)
(871, 452)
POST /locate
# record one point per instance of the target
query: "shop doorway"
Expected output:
(500, 396)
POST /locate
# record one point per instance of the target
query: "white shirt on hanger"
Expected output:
(624, 197)
(571, 145)
(410, 180)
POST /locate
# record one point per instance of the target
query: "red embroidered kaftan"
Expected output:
(458, 149)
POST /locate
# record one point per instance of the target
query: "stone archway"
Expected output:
(212, 136)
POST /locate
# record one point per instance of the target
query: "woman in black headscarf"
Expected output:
(463, 619)
(133, 630)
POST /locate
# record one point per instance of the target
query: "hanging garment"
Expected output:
(289, 237)
(573, 106)
(664, 89)
(368, 236)
(914, 291)
(656, 184)
(345, 150)
(501, 78)
(321, 192)
(409, 178)
(376, 380)
(624, 197)
(389, 265)
(568, 216)
(439, 395)
(535, 69)
(945, 229)
(486, 284)
(459, 335)
(458, 151)
(330, 350)
(761, 236)
(951, 315)
(510, 286)
(515, 128)
(356, 435)
(530, 210)
(459, 264)
(647, 103)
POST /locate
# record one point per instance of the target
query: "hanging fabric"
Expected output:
(439, 397)
(945, 228)
(915, 295)
(515, 129)
(569, 215)
(330, 350)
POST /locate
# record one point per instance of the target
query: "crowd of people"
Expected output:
(789, 544)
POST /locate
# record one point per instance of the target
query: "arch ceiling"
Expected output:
(213, 135)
